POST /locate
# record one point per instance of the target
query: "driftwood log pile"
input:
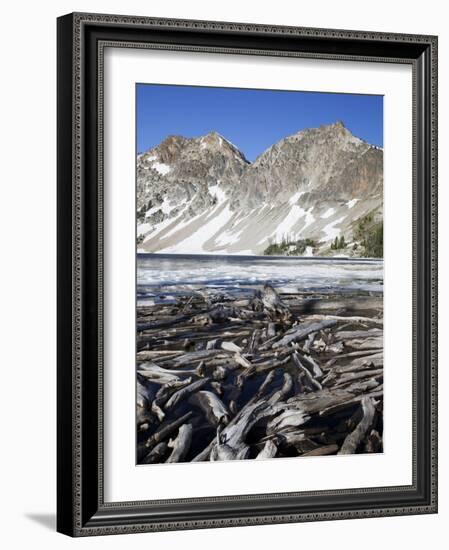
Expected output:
(221, 377)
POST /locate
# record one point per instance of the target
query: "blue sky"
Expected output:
(251, 119)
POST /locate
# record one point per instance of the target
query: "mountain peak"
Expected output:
(217, 141)
(216, 138)
(338, 124)
(213, 134)
(337, 127)
(212, 137)
(341, 133)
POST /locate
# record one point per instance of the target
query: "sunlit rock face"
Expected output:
(201, 195)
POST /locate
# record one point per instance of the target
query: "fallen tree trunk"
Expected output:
(352, 319)
(160, 375)
(214, 409)
(269, 451)
(231, 443)
(300, 333)
(181, 444)
(166, 430)
(183, 393)
(353, 334)
(164, 394)
(314, 384)
(354, 439)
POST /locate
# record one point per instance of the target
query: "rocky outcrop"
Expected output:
(201, 195)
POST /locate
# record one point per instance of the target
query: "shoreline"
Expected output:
(205, 255)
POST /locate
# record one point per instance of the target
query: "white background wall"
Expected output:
(27, 289)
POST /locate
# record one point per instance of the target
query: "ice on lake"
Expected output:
(166, 274)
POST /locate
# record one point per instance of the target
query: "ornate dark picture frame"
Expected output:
(81, 509)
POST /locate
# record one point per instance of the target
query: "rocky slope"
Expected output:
(201, 195)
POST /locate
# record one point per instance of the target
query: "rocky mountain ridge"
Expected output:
(201, 195)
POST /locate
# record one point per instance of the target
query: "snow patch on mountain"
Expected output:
(161, 168)
(331, 231)
(309, 219)
(217, 192)
(143, 228)
(183, 223)
(160, 227)
(352, 203)
(228, 237)
(284, 229)
(295, 197)
(194, 244)
(328, 213)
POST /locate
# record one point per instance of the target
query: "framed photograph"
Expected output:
(247, 274)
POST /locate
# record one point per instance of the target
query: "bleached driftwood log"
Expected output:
(216, 412)
(354, 439)
(166, 430)
(181, 444)
(312, 382)
(231, 444)
(185, 392)
(160, 375)
(164, 393)
(300, 333)
(269, 450)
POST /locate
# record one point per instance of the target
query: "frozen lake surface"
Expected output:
(162, 276)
